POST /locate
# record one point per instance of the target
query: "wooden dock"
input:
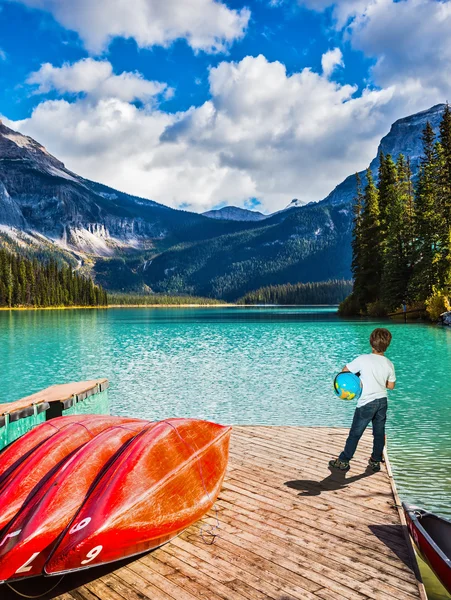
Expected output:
(287, 528)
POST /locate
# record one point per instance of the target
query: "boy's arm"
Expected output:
(345, 370)
(391, 381)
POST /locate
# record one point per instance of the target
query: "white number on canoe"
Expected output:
(80, 525)
(92, 554)
(27, 566)
(10, 535)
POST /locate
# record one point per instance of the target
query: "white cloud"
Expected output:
(96, 78)
(263, 134)
(2, 54)
(207, 25)
(342, 10)
(331, 60)
(411, 41)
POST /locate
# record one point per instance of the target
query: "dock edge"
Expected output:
(419, 579)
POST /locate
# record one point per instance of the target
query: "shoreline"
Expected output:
(25, 308)
(224, 305)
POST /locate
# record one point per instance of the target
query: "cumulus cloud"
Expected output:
(331, 60)
(410, 41)
(342, 10)
(207, 25)
(262, 134)
(96, 78)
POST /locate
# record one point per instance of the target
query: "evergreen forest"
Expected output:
(401, 246)
(321, 292)
(30, 283)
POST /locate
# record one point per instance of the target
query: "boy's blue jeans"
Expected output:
(375, 411)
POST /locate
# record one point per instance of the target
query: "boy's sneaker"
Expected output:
(341, 465)
(374, 465)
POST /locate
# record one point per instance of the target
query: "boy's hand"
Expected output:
(345, 370)
(390, 385)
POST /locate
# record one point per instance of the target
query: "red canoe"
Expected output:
(166, 479)
(31, 473)
(432, 536)
(27, 542)
(12, 456)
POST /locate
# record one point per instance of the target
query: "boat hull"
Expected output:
(26, 543)
(432, 536)
(14, 454)
(26, 479)
(165, 480)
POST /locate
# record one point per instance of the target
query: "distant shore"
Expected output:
(223, 305)
(24, 308)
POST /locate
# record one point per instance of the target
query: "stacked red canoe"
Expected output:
(88, 490)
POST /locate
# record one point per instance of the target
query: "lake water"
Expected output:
(243, 365)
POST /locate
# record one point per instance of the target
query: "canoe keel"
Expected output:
(158, 479)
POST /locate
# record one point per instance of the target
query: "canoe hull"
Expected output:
(13, 455)
(26, 543)
(26, 479)
(165, 481)
(430, 550)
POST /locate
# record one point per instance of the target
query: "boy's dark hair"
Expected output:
(380, 339)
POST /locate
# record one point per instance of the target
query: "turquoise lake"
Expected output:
(243, 365)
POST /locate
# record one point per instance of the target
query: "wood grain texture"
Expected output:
(288, 529)
(54, 393)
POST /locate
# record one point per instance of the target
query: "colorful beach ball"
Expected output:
(348, 386)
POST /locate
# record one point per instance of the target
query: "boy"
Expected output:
(377, 374)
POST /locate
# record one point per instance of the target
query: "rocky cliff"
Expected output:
(138, 244)
(404, 137)
(38, 194)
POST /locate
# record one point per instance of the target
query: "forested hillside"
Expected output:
(25, 282)
(303, 245)
(402, 233)
(133, 245)
(321, 292)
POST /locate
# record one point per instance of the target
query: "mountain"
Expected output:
(295, 203)
(38, 195)
(132, 244)
(234, 213)
(404, 137)
(301, 245)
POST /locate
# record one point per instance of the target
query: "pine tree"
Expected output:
(426, 220)
(356, 267)
(385, 181)
(444, 198)
(371, 251)
(398, 247)
(25, 282)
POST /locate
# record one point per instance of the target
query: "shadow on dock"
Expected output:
(337, 480)
(46, 588)
(393, 537)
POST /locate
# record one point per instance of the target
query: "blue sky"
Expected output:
(203, 103)
(286, 32)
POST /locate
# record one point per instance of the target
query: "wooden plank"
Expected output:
(402, 518)
(280, 542)
(54, 393)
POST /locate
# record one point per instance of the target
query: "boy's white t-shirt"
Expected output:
(375, 370)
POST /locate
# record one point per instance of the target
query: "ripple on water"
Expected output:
(243, 365)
